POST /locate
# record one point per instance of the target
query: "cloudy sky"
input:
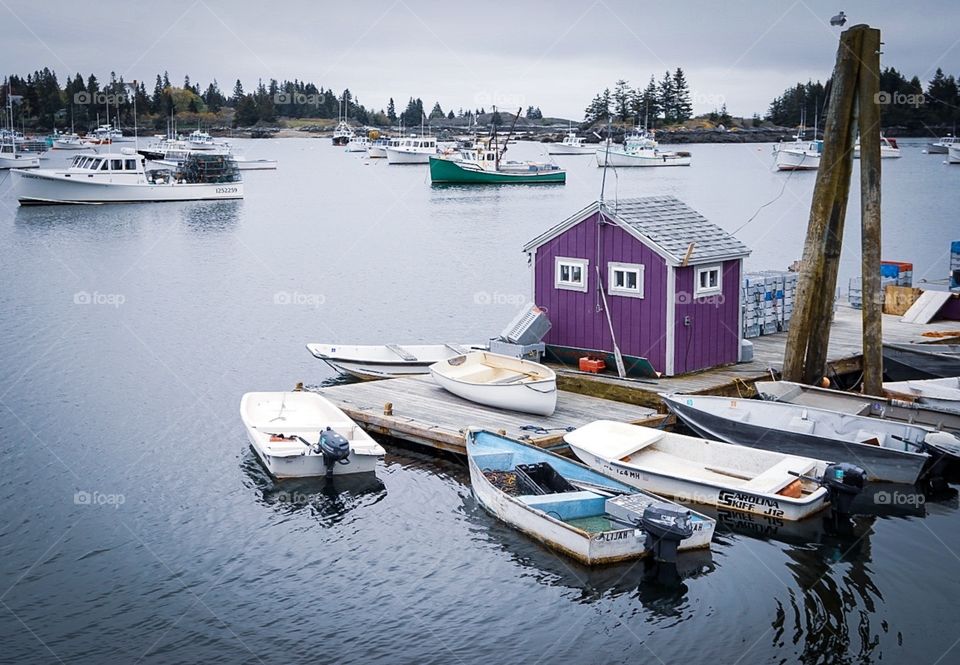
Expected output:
(554, 55)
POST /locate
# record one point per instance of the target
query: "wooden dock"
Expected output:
(425, 413)
(844, 356)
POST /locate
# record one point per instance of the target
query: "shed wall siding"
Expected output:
(713, 336)
(639, 324)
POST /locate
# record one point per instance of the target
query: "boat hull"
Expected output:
(794, 160)
(377, 152)
(38, 189)
(618, 158)
(561, 149)
(20, 161)
(448, 171)
(569, 356)
(886, 464)
(725, 498)
(937, 149)
(953, 156)
(903, 363)
(536, 395)
(373, 363)
(395, 156)
(341, 140)
(311, 466)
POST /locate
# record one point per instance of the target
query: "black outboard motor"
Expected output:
(334, 447)
(665, 526)
(843, 482)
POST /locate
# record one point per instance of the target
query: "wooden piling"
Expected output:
(869, 122)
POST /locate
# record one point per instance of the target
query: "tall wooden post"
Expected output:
(869, 117)
(806, 352)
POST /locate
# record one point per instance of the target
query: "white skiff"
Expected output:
(387, 360)
(499, 381)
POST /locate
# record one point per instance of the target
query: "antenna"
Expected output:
(606, 157)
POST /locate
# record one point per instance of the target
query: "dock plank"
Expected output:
(425, 413)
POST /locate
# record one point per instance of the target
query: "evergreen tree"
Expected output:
(667, 99)
(436, 112)
(651, 103)
(682, 107)
(451, 115)
(391, 112)
(237, 94)
(621, 100)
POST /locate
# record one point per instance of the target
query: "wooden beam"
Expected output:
(806, 351)
(869, 123)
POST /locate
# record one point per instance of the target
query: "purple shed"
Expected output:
(670, 278)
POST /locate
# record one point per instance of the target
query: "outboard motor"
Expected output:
(843, 482)
(666, 526)
(334, 447)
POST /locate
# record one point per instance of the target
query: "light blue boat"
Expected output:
(576, 510)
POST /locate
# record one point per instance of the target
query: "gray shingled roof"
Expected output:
(673, 225)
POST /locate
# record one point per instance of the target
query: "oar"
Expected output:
(621, 370)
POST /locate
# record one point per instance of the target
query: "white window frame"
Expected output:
(700, 292)
(583, 264)
(614, 290)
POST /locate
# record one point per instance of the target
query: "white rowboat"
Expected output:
(285, 430)
(386, 360)
(710, 472)
(499, 381)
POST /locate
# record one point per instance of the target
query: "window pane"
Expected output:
(631, 280)
(714, 278)
(576, 274)
(618, 279)
(564, 273)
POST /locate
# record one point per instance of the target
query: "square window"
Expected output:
(571, 274)
(709, 280)
(625, 279)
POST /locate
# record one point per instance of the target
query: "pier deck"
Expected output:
(425, 413)
(843, 357)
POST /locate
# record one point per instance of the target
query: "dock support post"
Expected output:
(869, 120)
(809, 336)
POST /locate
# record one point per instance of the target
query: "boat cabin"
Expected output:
(107, 163)
(652, 269)
(414, 143)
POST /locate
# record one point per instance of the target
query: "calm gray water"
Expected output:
(138, 527)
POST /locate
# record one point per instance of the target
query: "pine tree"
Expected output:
(621, 100)
(683, 108)
(651, 103)
(237, 94)
(667, 99)
(391, 111)
(436, 112)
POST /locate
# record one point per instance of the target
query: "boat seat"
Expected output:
(778, 476)
(801, 425)
(868, 436)
(567, 505)
(402, 352)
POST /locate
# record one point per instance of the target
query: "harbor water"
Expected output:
(138, 527)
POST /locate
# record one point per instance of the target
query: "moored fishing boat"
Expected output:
(302, 434)
(940, 394)
(12, 158)
(342, 133)
(481, 166)
(799, 154)
(378, 148)
(888, 148)
(575, 510)
(499, 381)
(885, 450)
(571, 145)
(714, 473)
(386, 360)
(69, 141)
(942, 146)
(903, 362)
(411, 149)
(122, 178)
(640, 149)
(953, 156)
(357, 143)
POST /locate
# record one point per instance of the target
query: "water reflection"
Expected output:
(212, 216)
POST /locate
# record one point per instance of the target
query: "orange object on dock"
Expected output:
(595, 365)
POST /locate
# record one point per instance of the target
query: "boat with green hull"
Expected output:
(465, 171)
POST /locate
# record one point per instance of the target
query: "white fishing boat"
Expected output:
(571, 145)
(302, 434)
(718, 474)
(342, 133)
(378, 148)
(799, 154)
(357, 143)
(502, 382)
(411, 149)
(888, 148)
(575, 510)
(941, 394)
(107, 134)
(70, 141)
(11, 158)
(887, 451)
(640, 149)
(942, 146)
(121, 177)
(387, 360)
(199, 140)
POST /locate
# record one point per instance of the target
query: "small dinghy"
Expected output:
(886, 451)
(716, 474)
(576, 510)
(940, 394)
(385, 361)
(302, 434)
(499, 381)
(903, 362)
(894, 407)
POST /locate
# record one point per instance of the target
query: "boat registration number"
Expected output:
(226, 190)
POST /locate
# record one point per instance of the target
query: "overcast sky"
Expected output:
(554, 55)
